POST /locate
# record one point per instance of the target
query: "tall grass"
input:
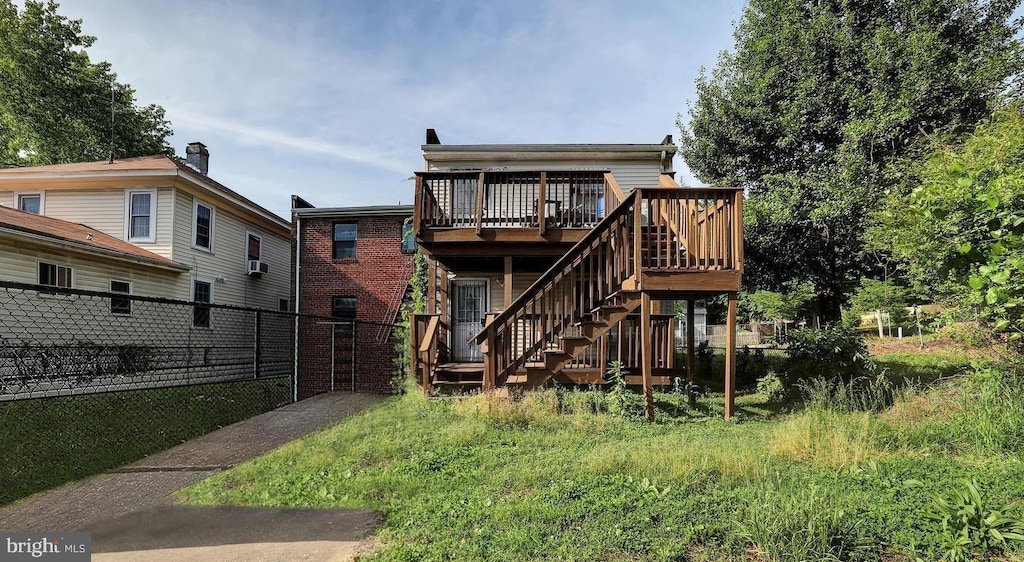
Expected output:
(787, 524)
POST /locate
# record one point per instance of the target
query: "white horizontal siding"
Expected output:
(629, 173)
(19, 263)
(228, 259)
(104, 210)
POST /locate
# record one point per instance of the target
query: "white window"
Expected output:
(53, 275)
(202, 226)
(202, 292)
(253, 246)
(140, 216)
(120, 305)
(30, 202)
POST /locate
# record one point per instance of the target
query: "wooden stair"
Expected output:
(459, 375)
(597, 323)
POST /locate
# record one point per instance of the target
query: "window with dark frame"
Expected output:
(408, 239)
(202, 292)
(345, 234)
(120, 305)
(53, 275)
(283, 305)
(344, 308)
(204, 226)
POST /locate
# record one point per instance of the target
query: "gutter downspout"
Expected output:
(298, 268)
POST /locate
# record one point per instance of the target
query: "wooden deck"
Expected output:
(663, 242)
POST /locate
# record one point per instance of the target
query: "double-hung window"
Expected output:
(202, 292)
(31, 203)
(120, 305)
(345, 240)
(202, 226)
(140, 211)
(53, 275)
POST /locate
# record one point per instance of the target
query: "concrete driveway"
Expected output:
(129, 510)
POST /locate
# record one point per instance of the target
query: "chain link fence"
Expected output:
(91, 380)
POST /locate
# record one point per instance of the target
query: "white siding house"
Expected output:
(163, 206)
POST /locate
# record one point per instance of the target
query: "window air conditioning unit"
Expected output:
(257, 268)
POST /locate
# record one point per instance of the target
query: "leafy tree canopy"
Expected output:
(819, 106)
(55, 105)
(964, 224)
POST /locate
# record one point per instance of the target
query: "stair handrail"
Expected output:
(559, 265)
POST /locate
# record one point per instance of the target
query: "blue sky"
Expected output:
(330, 100)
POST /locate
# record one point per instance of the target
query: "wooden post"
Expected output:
(638, 217)
(508, 281)
(542, 203)
(690, 329)
(730, 358)
(646, 351)
(480, 203)
(442, 290)
(431, 286)
(417, 208)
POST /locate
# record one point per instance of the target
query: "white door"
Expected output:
(469, 304)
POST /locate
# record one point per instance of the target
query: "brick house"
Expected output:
(353, 265)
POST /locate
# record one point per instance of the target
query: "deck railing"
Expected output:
(503, 199)
(652, 229)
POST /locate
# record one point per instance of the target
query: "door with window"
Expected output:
(469, 305)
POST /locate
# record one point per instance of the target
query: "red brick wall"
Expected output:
(374, 277)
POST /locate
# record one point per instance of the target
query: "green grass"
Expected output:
(546, 477)
(50, 441)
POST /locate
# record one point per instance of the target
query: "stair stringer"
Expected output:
(604, 318)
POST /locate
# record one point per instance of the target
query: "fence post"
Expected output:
(256, 345)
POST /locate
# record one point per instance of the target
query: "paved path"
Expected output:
(116, 504)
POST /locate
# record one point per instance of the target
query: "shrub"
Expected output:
(837, 350)
(772, 387)
(750, 366)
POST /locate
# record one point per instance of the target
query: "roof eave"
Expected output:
(353, 212)
(86, 248)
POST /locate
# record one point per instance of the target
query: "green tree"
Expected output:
(55, 105)
(819, 106)
(963, 226)
(773, 305)
(881, 297)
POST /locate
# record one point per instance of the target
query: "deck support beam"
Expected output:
(690, 352)
(646, 353)
(432, 286)
(508, 281)
(730, 358)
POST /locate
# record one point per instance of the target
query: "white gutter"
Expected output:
(298, 261)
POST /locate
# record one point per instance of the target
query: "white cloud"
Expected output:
(250, 134)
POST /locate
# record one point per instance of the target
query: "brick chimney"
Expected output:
(197, 155)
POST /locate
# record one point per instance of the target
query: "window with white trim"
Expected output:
(31, 203)
(140, 216)
(202, 226)
(53, 275)
(202, 292)
(253, 246)
(120, 305)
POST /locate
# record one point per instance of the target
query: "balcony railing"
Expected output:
(502, 199)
